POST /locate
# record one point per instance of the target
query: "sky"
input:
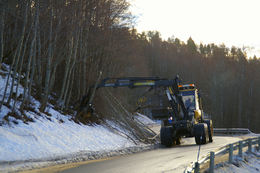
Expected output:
(232, 22)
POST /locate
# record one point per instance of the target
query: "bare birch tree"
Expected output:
(48, 65)
(2, 23)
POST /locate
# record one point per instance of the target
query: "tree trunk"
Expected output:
(20, 72)
(18, 55)
(38, 56)
(64, 83)
(2, 17)
(70, 89)
(71, 68)
(48, 67)
(33, 72)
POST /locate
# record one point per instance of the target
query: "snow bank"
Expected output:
(48, 141)
(44, 138)
(250, 164)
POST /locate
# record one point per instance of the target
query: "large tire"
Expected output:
(200, 133)
(166, 136)
(178, 140)
(210, 129)
(197, 139)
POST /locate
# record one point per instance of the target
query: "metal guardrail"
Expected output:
(194, 167)
(231, 131)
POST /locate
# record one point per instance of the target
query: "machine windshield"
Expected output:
(188, 100)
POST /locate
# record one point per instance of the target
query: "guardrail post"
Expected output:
(240, 151)
(250, 145)
(211, 164)
(259, 143)
(230, 159)
(197, 167)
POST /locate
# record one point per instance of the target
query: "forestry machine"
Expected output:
(184, 116)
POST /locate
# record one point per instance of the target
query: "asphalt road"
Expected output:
(165, 160)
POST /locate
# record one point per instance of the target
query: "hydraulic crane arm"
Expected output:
(170, 85)
(133, 82)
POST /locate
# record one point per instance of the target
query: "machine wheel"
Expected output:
(178, 140)
(166, 136)
(210, 129)
(200, 133)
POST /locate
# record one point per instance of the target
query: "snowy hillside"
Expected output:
(52, 135)
(49, 138)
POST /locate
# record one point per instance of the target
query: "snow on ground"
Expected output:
(55, 139)
(144, 119)
(249, 164)
(3, 81)
(48, 141)
(44, 138)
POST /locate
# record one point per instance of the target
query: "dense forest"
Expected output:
(57, 48)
